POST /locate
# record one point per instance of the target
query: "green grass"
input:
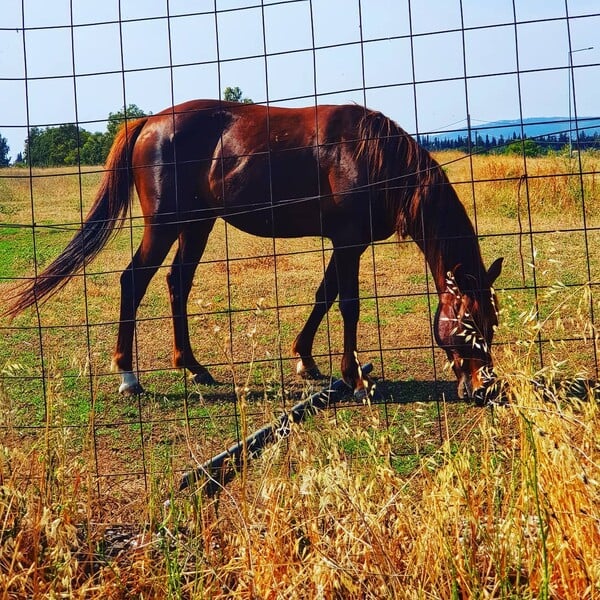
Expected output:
(408, 306)
(15, 251)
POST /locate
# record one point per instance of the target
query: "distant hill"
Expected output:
(549, 133)
(532, 127)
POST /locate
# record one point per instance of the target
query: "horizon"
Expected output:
(449, 134)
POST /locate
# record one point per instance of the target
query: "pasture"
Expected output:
(356, 502)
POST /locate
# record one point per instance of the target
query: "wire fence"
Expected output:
(450, 74)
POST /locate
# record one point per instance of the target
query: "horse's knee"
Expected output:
(128, 290)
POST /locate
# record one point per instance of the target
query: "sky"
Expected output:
(425, 63)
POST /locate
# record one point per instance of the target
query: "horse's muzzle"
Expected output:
(486, 390)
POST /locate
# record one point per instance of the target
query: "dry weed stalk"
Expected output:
(508, 507)
(514, 516)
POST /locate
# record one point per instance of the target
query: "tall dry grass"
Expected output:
(556, 186)
(508, 507)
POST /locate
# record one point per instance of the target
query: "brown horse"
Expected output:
(345, 173)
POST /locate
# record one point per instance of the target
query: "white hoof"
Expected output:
(130, 384)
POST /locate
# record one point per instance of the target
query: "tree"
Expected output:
(55, 146)
(235, 94)
(4, 150)
(524, 147)
(31, 144)
(116, 120)
(96, 148)
(70, 145)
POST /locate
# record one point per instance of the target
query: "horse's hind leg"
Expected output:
(155, 245)
(192, 242)
(302, 347)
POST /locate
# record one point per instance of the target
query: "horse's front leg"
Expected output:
(303, 344)
(347, 264)
(192, 242)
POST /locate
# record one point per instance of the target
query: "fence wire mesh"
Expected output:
(450, 74)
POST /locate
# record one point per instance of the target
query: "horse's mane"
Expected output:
(399, 167)
(416, 191)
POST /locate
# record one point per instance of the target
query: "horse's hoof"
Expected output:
(361, 395)
(367, 394)
(480, 400)
(311, 373)
(130, 386)
(204, 378)
(127, 389)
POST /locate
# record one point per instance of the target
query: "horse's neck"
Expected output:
(448, 240)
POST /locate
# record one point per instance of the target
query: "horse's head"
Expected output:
(465, 322)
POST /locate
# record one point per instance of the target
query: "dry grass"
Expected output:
(365, 502)
(507, 507)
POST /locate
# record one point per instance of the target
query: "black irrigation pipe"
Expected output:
(215, 473)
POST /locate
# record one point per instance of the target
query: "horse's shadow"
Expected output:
(386, 391)
(408, 392)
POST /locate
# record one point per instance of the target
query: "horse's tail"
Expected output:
(105, 217)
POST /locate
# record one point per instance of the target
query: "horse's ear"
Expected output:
(458, 271)
(494, 270)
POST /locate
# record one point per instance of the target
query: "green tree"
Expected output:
(525, 147)
(4, 150)
(70, 145)
(31, 145)
(55, 146)
(95, 149)
(116, 120)
(235, 94)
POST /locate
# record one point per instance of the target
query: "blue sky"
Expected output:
(489, 59)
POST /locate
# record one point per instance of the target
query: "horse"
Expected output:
(341, 172)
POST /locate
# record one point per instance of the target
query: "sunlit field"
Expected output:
(419, 495)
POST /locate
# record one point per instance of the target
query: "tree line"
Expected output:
(537, 146)
(70, 144)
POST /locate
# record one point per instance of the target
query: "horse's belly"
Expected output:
(289, 219)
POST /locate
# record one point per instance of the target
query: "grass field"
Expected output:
(355, 503)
